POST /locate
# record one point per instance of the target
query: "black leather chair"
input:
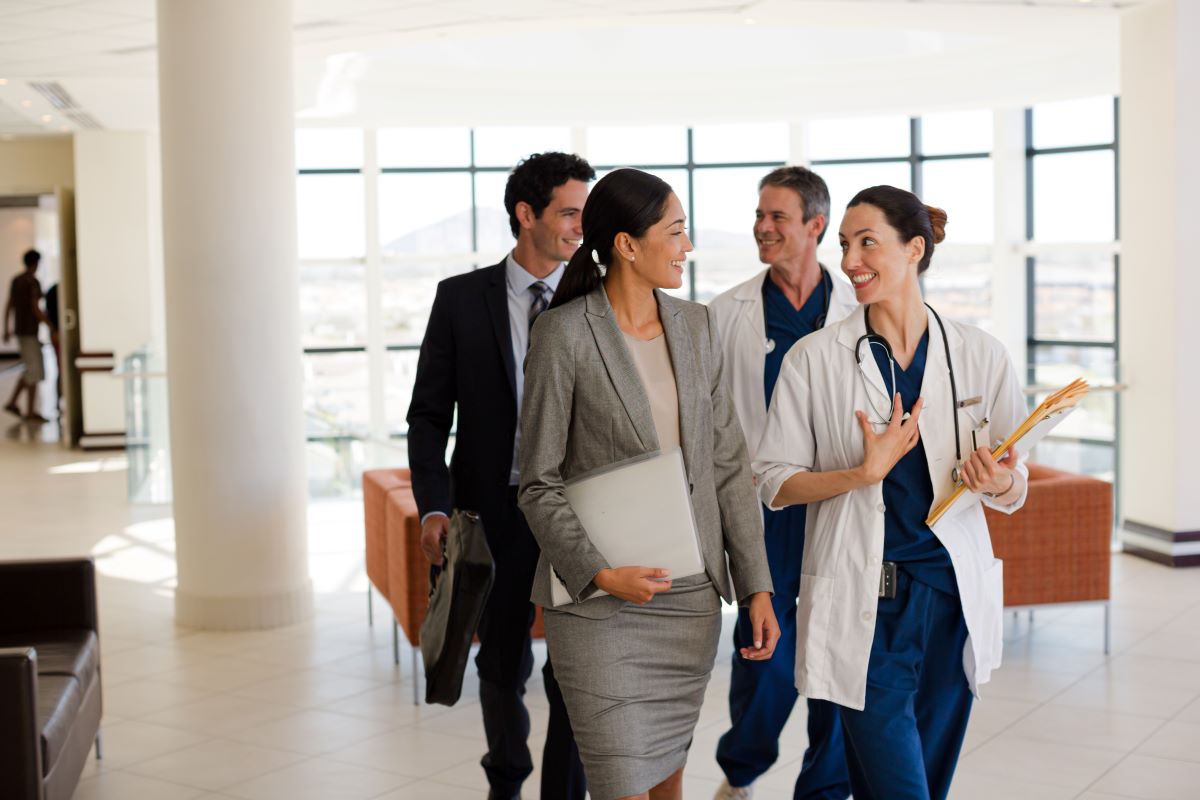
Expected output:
(49, 676)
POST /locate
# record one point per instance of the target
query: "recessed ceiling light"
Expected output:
(748, 21)
(3, 81)
(26, 103)
(46, 117)
(65, 128)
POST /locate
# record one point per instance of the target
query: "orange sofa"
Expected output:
(1058, 547)
(396, 567)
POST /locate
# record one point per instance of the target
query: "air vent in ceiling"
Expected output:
(61, 100)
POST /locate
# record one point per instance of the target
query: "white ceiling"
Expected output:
(387, 62)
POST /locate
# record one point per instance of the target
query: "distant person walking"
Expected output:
(25, 310)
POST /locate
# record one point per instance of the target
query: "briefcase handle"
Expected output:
(435, 571)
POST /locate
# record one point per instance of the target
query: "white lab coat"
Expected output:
(740, 321)
(811, 426)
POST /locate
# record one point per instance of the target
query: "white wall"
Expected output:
(1160, 169)
(119, 255)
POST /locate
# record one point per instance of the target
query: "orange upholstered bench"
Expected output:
(396, 566)
(1058, 547)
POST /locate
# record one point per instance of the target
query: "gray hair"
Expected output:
(814, 194)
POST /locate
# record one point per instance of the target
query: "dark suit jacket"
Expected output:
(466, 361)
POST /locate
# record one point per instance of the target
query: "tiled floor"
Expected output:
(319, 711)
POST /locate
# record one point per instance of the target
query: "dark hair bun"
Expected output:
(937, 220)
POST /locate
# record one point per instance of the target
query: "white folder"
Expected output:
(637, 513)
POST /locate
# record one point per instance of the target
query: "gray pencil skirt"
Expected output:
(633, 684)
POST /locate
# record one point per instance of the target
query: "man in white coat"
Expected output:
(759, 321)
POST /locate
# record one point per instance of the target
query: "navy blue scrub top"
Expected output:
(786, 326)
(908, 492)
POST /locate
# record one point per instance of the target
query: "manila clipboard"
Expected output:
(637, 513)
(1053, 410)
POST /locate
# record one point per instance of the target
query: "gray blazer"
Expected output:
(585, 407)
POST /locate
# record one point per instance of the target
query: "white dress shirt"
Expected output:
(520, 300)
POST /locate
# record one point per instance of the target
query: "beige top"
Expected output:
(653, 362)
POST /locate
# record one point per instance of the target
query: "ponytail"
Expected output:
(581, 276)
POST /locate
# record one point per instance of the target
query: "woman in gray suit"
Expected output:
(617, 368)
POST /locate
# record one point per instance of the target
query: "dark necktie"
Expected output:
(540, 301)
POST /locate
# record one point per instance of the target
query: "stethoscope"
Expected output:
(819, 322)
(873, 339)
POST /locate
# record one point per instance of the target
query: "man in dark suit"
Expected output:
(472, 357)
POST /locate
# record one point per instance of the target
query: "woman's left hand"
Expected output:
(763, 627)
(981, 473)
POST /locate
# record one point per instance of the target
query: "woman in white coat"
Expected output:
(873, 421)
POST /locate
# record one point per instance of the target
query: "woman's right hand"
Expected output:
(881, 451)
(635, 584)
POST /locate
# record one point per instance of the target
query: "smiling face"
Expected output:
(661, 252)
(876, 261)
(557, 232)
(780, 231)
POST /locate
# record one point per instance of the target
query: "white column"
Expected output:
(232, 312)
(1160, 285)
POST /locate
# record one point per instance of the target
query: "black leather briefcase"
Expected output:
(458, 591)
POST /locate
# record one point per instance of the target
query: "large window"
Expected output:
(1072, 271)
(384, 215)
(945, 158)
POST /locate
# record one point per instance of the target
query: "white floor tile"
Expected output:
(311, 732)
(1152, 779)
(1086, 727)
(216, 764)
(127, 786)
(1068, 766)
(1175, 740)
(319, 779)
(412, 751)
(1101, 692)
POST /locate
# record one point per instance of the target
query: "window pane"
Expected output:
(1075, 297)
(1084, 458)
(956, 132)
(408, 291)
(644, 144)
(335, 393)
(424, 147)
(495, 236)
(1055, 366)
(724, 225)
(329, 148)
(402, 374)
(1073, 122)
(715, 144)
(959, 285)
(334, 467)
(505, 146)
(859, 137)
(1073, 197)
(678, 180)
(425, 213)
(963, 187)
(845, 181)
(330, 216)
(333, 304)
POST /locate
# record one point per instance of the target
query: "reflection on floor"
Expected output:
(319, 711)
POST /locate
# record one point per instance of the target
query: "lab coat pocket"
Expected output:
(812, 624)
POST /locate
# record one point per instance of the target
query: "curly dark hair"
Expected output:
(534, 179)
